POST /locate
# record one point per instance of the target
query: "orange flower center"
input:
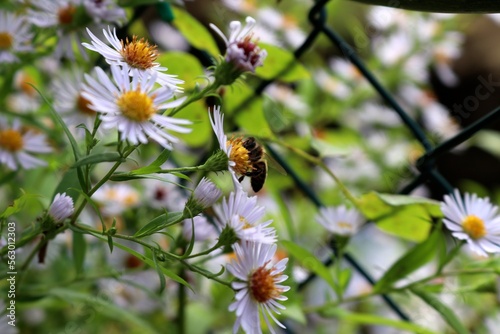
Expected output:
(66, 15)
(11, 140)
(136, 105)
(239, 155)
(474, 227)
(261, 285)
(6, 40)
(83, 106)
(139, 53)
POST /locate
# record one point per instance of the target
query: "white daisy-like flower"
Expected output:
(131, 105)
(24, 98)
(69, 102)
(104, 10)
(474, 220)
(59, 14)
(258, 289)
(340, 220)
(61, 207)
(17, 145)
(115, 199)
(203, 230)
(206, 193)
(239, 161)
(137, 56)
(241, 214)
(242, 50)
(15, 36)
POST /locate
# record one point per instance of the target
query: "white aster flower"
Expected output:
(203, 230)
(258, 288)
(69, 102)
(59, 14)
(473, 219)
(16, 146)
(242, 50)
(104, 10)
(239, 161)
(340, 220)
(334, 86)
(61, 207)
(137, 56)
(115, 199)
(242, 215)
(14, 37)
(206, 193)
(131, 105)
(163, 191)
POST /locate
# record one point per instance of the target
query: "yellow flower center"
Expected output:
(261, 285)
(136, 105)
(11, 140)
(139, 53)
(6, 40)
(345, 225)
(66, 15)
(83, 106)
(474, 227)
(245, 222)
(26, 85)
(131, 199)
(239, 155)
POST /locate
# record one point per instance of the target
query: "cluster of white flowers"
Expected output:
(258, 284)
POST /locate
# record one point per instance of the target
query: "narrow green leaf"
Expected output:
(96, 305)
(59, 120)
(17, 206)
(411, 261)
(195, 33)
(162, 158)
(110, 243)
(96, 158)
(163, 282)
(309, 261)
(446, 312)
(79, 251)
(159, 223)
(281, 64)
(370, 319)
(181, 176)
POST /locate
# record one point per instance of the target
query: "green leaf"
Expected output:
(96, 304)
(186, 66)
(17, 206)
(163, 282)
(281, 64)
(415, 258)
(334, 143)
(79, 251)
(110, 243)
(159, 223)
(309, 261)
(446, 312)
(404, 216)
(370, 319)
(96, 158)
(68, 184)
(162, 158)
(195, 33)
(201, 131)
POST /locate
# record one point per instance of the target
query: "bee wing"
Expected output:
(274, 164)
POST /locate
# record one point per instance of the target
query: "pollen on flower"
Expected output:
(250, 49)
(6, 41)
(474, 227)
(65, 15)
(239, 155)
(245, 223)
(345, 225)
(83, 106)
(139, 53)
(11, 140)
(136, 105)
(262, 287)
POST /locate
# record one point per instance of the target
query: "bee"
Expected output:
(258, 159)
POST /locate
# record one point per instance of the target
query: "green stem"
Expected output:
(210, 89)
